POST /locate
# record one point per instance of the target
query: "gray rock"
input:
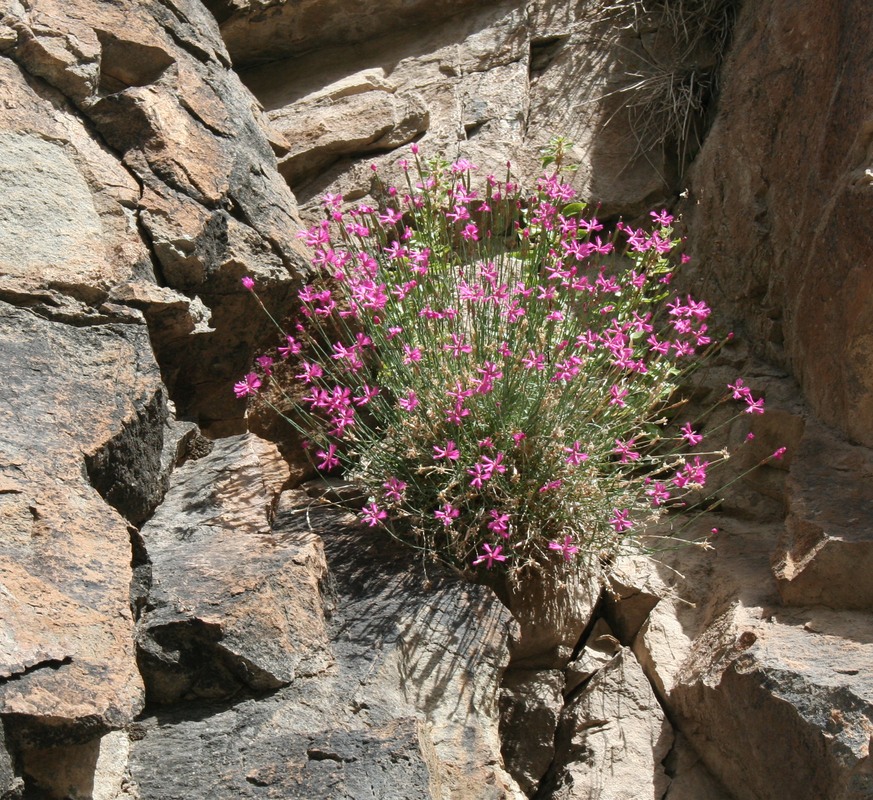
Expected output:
(408, 708)
(613, 739)
(229, 602)
(826, 554)
(530, 706)
(66, 647)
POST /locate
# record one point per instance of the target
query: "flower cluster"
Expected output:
(497, 368)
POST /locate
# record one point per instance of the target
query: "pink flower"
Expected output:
(372, 514)
(470, 232)
(754, 406)
(619, 520)
(499, 523)
(492, 465)
(458, 346)
(489, 556)
(328, 460)
(518, 437)
(661, 217)
(618, 394)
(311, 371)
(740, 392)
(575, 456)
(248, 385)
(479, 476)
(394, 490)
(409, 402)
(368, 393)
(411, 354)
(567, 547)
(547, 487)
(450, 452)
(626, 451)
(779, 453)
(692, 437)
(249, 283)
(447, 514)
(293, 347)
(659, 494)
(533, 361)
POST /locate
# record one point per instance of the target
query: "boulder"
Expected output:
(612, 739)
(69, 394)
(826, 554)
(229, 603)
(407, 708)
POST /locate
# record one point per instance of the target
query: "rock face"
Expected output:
(68, 662)
(826, 557)
(228, 604)
(613, 738)
(403, 704)
(140, 157)
(178, 621)
(487, 81)
(796, 91)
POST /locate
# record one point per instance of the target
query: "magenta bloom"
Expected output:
(489, 556)
(754, 406)
(567, 547)
(291, 348)
(619, 520)
(692, 437)
(249, 283)
(372, 514)
(409, 402)
(739, 391)
(617, 396)
(328, 460)
(626, 451)
(394, 490)
(447, 514)
(450, 451)
(575, 456)
(248, 385)
(311, 371)
(779, 453)
(658, 493)
(499, 523)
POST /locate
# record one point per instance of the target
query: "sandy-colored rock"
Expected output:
(96, 770)
(732, 665)
(826, 554)
(552, 610)
(498, 82)
(267, 30)
(613, 739)
(600, 648)
(689, 777)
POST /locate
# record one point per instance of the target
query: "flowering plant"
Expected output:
(496, 369)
